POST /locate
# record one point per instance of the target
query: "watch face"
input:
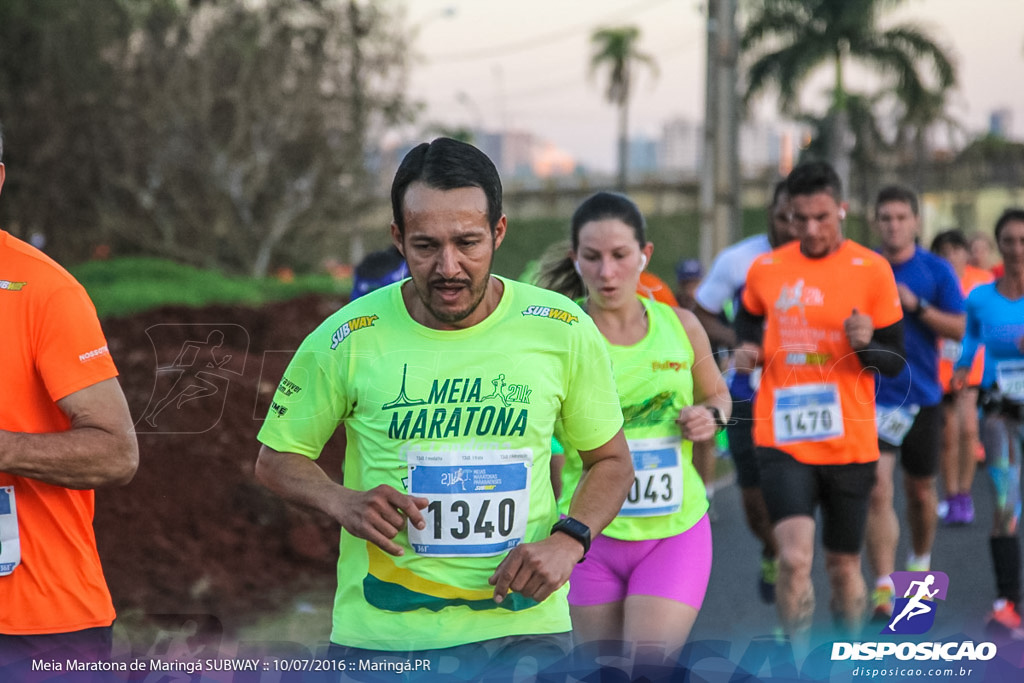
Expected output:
(575, 528)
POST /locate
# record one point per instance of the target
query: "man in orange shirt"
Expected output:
(817, 313)
(64, 430)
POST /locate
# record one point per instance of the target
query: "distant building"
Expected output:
(762, 146)
(680, 146)
(512, 152)
(1000, 123)
(643, 155)
(549, 161)
(492, 145)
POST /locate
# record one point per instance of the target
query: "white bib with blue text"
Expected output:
(807, 412)
(479, 500)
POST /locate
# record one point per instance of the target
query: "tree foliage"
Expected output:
(786, 41)
(56, 93)
(789, 39)
(232, 133)
(616, 50)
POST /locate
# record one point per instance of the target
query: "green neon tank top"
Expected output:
(654, 381)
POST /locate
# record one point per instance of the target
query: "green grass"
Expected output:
(131, 285)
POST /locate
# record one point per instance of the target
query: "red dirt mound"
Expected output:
(194, 532)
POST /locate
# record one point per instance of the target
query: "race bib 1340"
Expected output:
(479, 501)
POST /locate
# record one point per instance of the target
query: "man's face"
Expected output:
(817, 221)
(449, 248)
(897, 225)
(981, 253)
(1011, 243)
(687, 294)
(783, 229)
(956, 255)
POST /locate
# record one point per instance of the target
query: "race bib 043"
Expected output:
(658, 480)
(479, 501)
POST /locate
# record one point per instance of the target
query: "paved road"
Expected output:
(733, 611)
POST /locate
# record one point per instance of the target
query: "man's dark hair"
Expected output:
(812, 177)
(379, 263)
(950, 238)
(446, 164)
(897, 193)
(1008, 216)
(779, 191)
(377, 269)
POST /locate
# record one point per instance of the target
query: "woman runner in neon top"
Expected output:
(646, 576)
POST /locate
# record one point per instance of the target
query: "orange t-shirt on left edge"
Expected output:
(53, 347)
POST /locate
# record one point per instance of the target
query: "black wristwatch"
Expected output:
(720, 422)
(576, 529)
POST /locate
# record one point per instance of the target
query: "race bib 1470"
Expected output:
(808, 412)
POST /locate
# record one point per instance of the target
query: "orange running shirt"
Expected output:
(949, 350)
(816, 401)
(53, 346)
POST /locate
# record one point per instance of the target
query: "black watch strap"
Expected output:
(576, 529)
(720, 422)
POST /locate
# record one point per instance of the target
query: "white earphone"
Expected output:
(576, 265)
(842, 213)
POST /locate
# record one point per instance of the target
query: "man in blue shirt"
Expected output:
(909, 411)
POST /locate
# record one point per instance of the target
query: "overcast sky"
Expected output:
(523, 64)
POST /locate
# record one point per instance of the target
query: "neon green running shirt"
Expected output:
(463, 418)
(655, 381)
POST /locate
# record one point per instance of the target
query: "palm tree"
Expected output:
(928, 114)
(870, 143)
(616, 49)
(790, 39)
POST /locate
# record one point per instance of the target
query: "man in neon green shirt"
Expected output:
(449, 385)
